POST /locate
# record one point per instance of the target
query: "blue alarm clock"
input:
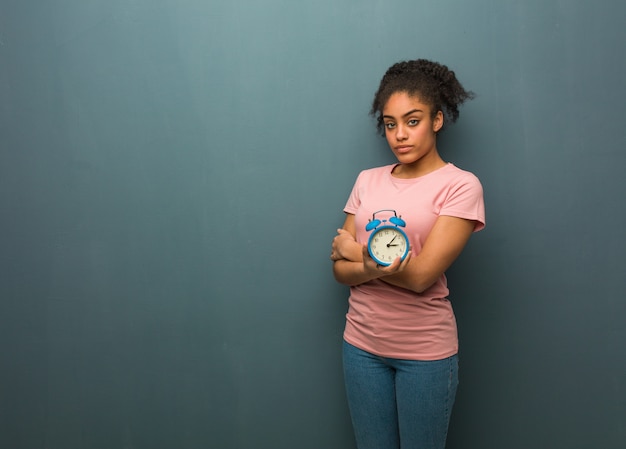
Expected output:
(387, 242)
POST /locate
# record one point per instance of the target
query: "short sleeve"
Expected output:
(354, 200)
(465, 200)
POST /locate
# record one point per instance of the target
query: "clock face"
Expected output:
(387, 243)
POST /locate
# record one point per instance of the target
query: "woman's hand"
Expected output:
(378, 270)
(344, 246)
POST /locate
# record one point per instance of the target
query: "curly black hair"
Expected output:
(433, 83)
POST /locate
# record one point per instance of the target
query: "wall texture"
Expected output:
(172, 173)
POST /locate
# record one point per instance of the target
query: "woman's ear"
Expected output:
(438, 121)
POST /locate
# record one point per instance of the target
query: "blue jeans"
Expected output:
(399, 404)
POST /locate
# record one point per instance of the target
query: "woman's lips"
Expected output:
(403, 149)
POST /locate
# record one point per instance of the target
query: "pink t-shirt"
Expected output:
(395, 322)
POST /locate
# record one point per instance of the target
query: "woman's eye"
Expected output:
(390, 125)
(413, 122)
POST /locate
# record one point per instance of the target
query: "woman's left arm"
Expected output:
(443, 245)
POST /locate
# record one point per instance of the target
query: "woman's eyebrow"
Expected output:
(412, 111)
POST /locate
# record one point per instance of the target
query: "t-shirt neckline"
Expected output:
(412, 180)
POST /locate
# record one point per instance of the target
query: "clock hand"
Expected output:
(390, 243)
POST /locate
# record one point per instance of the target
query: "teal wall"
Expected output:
(172, 173)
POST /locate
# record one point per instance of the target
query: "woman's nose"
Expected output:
(401, 133)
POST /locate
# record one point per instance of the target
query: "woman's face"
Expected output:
(410, 128)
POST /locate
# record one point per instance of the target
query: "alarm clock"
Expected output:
(387, 242)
